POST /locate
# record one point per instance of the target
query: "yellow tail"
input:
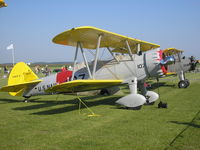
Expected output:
(20, 73)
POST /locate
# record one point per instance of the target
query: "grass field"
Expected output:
(54, 122)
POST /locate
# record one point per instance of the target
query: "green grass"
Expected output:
(54, 122)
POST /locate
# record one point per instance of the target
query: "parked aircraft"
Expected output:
(2, 4)
(140, 60)
(180, 65)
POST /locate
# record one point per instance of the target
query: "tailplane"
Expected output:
(21, 74)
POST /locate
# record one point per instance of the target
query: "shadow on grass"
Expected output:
(159, 84)
(72, 102)
(15, 101)
(186, 123)
(43, 104)
(9, 100)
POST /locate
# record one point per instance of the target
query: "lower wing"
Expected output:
(83, 85)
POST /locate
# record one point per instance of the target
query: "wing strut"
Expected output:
(112, 54)
(129, 50)
(96, 56)
(85, 60)
(138, 48)
(75, 61)
(79, 45)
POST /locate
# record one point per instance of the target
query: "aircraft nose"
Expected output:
(167, 61)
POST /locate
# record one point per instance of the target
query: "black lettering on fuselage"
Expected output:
(139, 66)
(80, 76)
(44, 87)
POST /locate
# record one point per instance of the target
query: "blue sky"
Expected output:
(31, 25)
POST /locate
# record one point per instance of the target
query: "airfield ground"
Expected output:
(54, 122)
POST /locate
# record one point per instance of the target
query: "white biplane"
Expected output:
(180, 65)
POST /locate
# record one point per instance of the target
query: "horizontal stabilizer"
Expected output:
(19, 87)
(83, 85)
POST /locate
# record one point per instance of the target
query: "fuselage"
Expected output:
(181, 64)
(48, 82)
(142, 66)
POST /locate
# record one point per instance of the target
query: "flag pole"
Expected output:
(13, 57)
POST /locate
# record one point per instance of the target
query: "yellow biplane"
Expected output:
(138, 61)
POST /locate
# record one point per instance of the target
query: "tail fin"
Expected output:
(20, 73)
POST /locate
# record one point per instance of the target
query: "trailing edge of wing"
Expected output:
(83, 85)
(88, 35)
(18, 87)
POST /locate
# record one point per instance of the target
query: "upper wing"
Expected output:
(83, 85)
(171, 51)
(18, 87)
(88, 35)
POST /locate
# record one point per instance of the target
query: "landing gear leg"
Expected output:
(183, 83)
(151, 96)
(133, 100)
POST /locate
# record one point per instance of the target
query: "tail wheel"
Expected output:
(183, 84)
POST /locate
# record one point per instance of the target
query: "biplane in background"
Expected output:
(140, 60)
(2, 4)
(180, 65)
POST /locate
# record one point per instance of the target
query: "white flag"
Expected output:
(10, 47)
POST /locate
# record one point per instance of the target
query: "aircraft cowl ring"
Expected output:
(168, 60)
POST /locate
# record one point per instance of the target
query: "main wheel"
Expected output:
(183, 84)
(188, 82)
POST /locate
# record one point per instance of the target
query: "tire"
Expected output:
(188, 82)
(183, 84)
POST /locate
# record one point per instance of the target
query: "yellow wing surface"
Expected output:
(2, 4)
(171, 51)
(18, 87)
(21, 77)
(83, 85)
(88, 36)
